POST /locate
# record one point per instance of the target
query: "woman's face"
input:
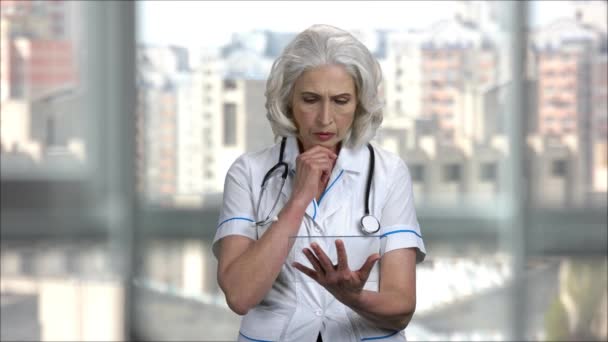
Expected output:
(323, 104)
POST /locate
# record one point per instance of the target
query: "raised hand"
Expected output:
(345, 284)
(313, 169)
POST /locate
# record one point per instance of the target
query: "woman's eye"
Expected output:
(310, 99)
(342, 101)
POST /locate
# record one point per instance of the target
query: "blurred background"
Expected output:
(119, 121)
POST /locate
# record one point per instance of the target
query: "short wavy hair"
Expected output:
(321, 45)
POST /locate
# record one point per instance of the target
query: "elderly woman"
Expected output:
(318, 237)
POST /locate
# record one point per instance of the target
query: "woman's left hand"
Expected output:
(345, 284)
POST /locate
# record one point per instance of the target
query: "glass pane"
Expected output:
(566, 88)
(447, 71)
(567, 126)
(60, 266)
(41, 90)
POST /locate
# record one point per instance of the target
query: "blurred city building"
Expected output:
(193, 124)
(444, 89)
(39, 82)
(569, 59)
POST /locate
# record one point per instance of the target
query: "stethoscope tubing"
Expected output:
(365, 219)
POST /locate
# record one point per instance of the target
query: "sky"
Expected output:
(195, 24)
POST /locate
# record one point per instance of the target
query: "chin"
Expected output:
(330, 144)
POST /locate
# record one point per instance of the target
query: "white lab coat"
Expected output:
(297, 308)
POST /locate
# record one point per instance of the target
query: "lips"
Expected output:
(324, 136)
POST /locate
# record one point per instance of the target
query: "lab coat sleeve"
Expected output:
(399, 225)
(237, 213)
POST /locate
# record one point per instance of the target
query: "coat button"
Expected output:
(319, 313)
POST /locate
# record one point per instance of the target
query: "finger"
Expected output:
(318, 164)
(321, 149)
(323, 258)
(310, 273)
(313, 260)
(313, 160)
(323, 166)
(366, 269)
(342, 258)
(324, 176)
(316, 160)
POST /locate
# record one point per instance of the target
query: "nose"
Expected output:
(325, 115)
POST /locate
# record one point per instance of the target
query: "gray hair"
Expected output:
(321, 45)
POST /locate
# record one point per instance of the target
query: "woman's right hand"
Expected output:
(313, 169)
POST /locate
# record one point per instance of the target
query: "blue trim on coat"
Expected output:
(379, 337)
(329, 187)
(253, 339)
(234, 218)
(401, 231)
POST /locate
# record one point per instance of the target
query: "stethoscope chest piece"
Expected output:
(369, 224)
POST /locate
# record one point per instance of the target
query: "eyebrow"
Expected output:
(333, 96)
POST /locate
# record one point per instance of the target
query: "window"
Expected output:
(111, 184)
(229, 84)
(417, 173)
(451, 173)
(559, 168)
(62, 109)
(229, 124)
(488, 172)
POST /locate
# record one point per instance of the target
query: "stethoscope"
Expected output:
(369, 223)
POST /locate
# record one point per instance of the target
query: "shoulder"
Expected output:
(250, 163)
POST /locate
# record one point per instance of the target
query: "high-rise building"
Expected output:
(599, 104)
(40, 68)
(193, 124)
(207, 92)
(593, 13)
(39, 78)
(157, 121)
(189, 138)
(5, 65)
(566, 54)
(438, 75)
(37, 48)
(258, 132)
(571, 74)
